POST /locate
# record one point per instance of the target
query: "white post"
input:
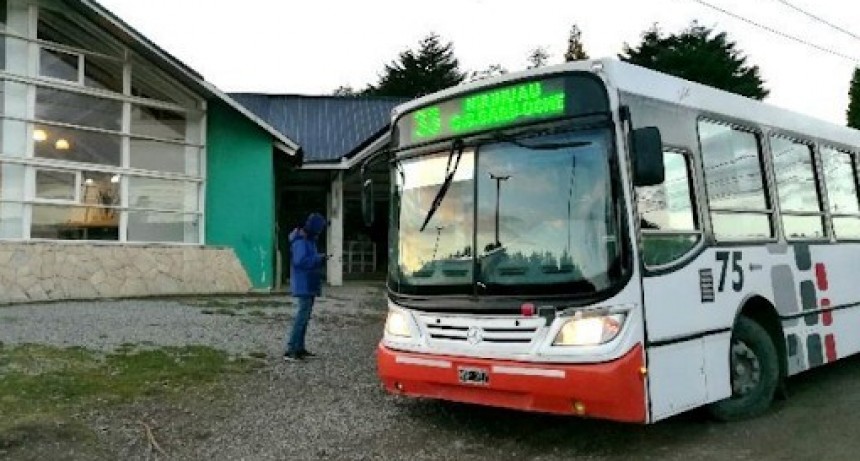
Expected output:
(334, 240)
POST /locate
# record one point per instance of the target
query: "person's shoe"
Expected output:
(292, 357)
(306, 354)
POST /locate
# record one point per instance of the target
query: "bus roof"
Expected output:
(629, 78)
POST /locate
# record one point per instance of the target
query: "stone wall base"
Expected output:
(37, 271)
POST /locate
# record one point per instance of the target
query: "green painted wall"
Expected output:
(240, 191)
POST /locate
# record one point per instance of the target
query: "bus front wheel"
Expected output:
(754, 371)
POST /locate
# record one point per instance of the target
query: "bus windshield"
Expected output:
(525, 216)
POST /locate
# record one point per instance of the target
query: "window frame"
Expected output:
(855, 170)
(770, 211)
(188, 103)
(49, 201)
(822, 214)
(699, 232)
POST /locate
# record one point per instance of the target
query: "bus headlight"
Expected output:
(590, 330)
(397, 324)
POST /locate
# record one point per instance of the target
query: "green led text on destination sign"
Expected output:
(488, 109)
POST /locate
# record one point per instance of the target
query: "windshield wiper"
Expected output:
(456, 149)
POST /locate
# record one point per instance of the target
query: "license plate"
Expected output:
(477, 376)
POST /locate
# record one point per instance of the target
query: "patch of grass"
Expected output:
(225, 311)
(40, 383)
(257, 313)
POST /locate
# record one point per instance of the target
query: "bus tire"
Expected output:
(754, 373)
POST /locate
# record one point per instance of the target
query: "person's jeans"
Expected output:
(295, 342)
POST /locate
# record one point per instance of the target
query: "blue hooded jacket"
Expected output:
(305, 261)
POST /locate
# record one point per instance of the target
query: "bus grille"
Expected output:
(512, 331)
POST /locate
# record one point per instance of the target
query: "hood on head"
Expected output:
(315, 224)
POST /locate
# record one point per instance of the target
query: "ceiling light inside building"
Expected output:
(114, 179)
(62, 144)
(88, 181)
(40, 135)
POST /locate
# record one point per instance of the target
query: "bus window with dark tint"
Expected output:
(666, 216)
(739, 205)
(841, 179)
(799, 203)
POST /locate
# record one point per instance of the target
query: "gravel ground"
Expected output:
(332, 407)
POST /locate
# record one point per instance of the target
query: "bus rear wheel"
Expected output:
(754, 370)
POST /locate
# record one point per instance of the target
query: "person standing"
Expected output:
(305, 274)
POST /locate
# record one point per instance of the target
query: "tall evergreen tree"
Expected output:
(431, 68)
(700, 55)
(575, 49)
(854, 101)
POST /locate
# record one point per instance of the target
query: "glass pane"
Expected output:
(100, 189)
(732, 165)
(74, 223)
(103, 73)
(658, 250)
(11, 182)
(60, 24)
(11, 220)
(802, 227)
(741, 226)
(13, 138)
(58, 64)
(56, 185)
(840, 180)
(13, 55)
(13, 99)
(847, 228)
(77, 145)
(150, 83)
(668, 206)
(158, 123)
(162, 194)
(163, 227)
(545, 214)
(795, 175)
(78, 109)
(160, 156)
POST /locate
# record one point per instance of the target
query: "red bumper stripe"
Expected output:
(612, 390)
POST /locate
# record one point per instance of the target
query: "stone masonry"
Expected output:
(36, 271)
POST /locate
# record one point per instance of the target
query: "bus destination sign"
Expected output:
(494, 108)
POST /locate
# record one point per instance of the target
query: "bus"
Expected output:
(602, 240)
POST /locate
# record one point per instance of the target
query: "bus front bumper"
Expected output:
(611, 390)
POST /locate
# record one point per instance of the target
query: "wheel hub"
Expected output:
(746, 369)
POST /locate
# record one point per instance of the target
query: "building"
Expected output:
(337, 133)
(122, 171)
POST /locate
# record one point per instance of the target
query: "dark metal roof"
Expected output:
(329, 128)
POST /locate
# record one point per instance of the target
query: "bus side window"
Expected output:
(667, 220)
(739, 205)
(797, 189)
(840, 177)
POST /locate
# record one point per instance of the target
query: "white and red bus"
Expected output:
(602, 240)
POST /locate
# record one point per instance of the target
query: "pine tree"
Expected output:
(854, 101)
(431, 68)
(575, 49)
(699, 55)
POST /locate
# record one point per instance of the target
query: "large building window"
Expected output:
(97, 143)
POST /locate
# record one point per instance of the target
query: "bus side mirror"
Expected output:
(367, 202)
(648, 167)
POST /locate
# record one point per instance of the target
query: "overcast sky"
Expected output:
(312, 47)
